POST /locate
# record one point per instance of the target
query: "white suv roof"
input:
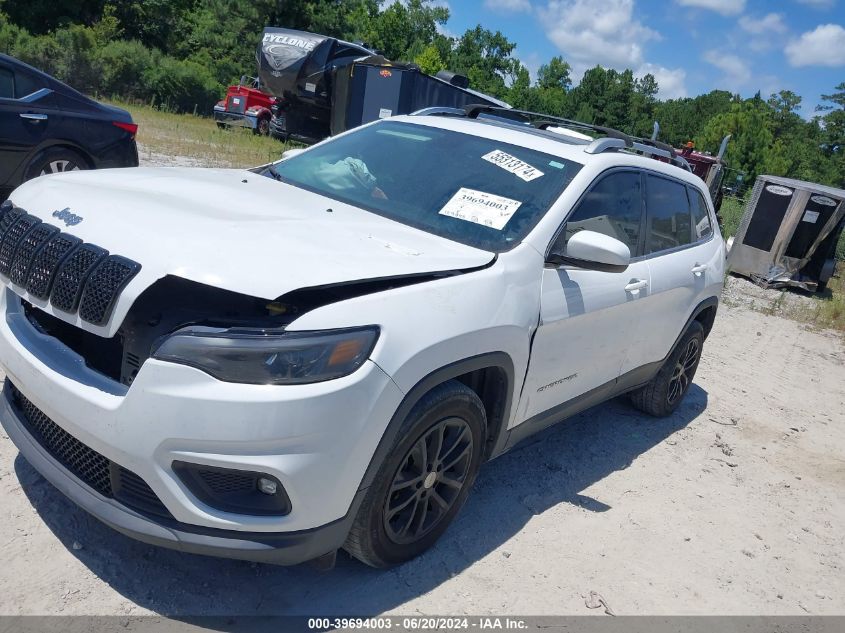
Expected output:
(557, 136)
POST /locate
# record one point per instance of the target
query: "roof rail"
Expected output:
(439, 110)
(613, 140)
(603, 144)
(542, 121)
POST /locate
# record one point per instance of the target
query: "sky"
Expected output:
(690, 46)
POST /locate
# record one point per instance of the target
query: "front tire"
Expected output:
(263, 127)
(664, 393)
(424, 481)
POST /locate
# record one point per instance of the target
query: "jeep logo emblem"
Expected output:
(70, 219)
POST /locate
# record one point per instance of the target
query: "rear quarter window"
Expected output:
(701, 225)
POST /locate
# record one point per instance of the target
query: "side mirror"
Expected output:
(291, 153)
(593, 251)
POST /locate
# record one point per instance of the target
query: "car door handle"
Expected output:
(698, 269)
(636, 284)
(32, 116)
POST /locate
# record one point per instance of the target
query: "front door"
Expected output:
(587, 317)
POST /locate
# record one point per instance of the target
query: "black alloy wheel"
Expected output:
(428, 481)
(423, 480)
(665, 392)
(682, 374)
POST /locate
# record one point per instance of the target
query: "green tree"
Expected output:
(403, 31)
(833, 137)
(485, 58)
(429, 60)
(750, 147)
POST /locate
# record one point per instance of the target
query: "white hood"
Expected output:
(234, 229)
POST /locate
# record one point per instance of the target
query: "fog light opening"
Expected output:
(267, 486)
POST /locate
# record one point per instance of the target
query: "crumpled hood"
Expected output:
(234, 229)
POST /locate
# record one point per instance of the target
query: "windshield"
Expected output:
(473, 190)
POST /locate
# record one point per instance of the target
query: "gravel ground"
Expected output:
(734, 505)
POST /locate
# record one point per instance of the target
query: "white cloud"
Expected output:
(590, 33)
(770, 23)
(736, 72)
(725, 7)
(508, 6)
(764, 31)
(824, 46)
(670, 81)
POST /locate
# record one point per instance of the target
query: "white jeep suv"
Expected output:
(320, 353)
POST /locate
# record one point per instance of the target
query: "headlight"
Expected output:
(268, 357)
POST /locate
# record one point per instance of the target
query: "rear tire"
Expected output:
(425, 479)
(55, 160)
(664, 393)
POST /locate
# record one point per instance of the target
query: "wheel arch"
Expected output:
(704, 313)
(490, 375)
(57, 144)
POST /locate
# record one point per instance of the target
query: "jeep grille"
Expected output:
(48, 263)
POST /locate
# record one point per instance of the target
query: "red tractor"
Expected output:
(245, 105)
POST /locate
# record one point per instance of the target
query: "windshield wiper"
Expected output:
(276, 175)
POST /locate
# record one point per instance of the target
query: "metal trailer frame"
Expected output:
(788, 233)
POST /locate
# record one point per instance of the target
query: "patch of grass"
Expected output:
(828, 309)
(731, 212)
(199, 140)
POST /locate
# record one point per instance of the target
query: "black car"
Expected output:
(47, 126)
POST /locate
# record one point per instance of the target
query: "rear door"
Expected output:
(587, 317)
(26, 108)
(682, 257)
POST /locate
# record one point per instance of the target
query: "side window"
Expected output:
(342, 51)
(668, 213)
(700, 216)
(612, 207)
(26, 84)
(7, 84)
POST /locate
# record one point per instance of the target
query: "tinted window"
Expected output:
(348, 51)
(668, 214)
(7, 84)
(473, 190)
(700, 216)
(26, 84)
(613, 207)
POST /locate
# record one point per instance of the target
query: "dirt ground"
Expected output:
(734, 505)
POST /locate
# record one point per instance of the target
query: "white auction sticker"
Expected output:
(480, 207)
(512, 164)
(384, 113)
(309, 87)
(810, 216)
